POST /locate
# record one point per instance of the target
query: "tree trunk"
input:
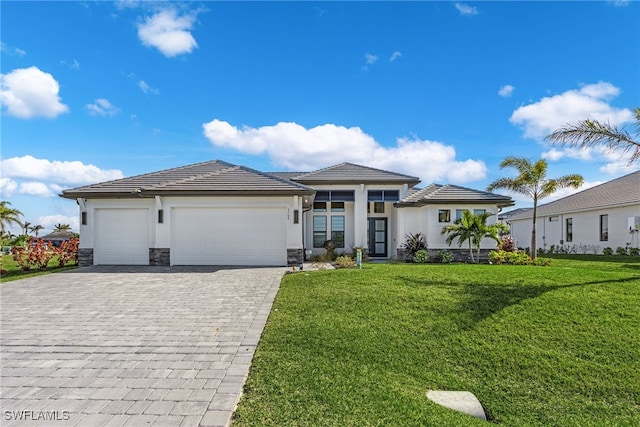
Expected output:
(471, 252)
(533, 229)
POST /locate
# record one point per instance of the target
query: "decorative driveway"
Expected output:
(131, 346)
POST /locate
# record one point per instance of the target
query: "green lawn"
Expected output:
(13, 271)
(547, 346)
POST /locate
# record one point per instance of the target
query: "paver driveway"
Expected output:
(131, 346)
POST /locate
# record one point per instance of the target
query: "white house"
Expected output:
(607, 215)
(216, 213)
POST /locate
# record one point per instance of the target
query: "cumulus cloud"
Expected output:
(7, 187)
(102, 107)
(395, 55)
(550, 113)
(506, 91)
(38, 189)
(465, 9)
(30, 92)
(61, 172)
(144, 86)
(294, 147)
(168, 32)
(50, 221)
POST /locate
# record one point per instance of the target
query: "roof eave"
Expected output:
(151, 194)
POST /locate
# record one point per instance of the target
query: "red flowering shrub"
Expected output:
(20, 257)
(39, 254)
(68, 251)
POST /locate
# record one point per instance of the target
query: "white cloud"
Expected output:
(50, 221)
(38, 189)
(620, 3)
(102, 107)
(168, 32)
(74, 64)
(10, 50)
(506, 91)
(370, 58)
(619, 167)
(395, 55)
(465, 9)
(61, 172)
(144, 86)
(7, 187)
(30, 92)
(550, 113)
(294, 147)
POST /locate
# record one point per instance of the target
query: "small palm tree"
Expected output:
(588, 133)
(26, 226)
(8, 216)
(472, 229)
(36, 229)
(61, 227)
(532, 181)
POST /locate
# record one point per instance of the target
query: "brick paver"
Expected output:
(130, 346)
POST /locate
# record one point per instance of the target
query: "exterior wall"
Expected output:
(586, 229)
(160, 233)
(424, 220)
(356, 217)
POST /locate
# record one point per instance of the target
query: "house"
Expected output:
(217, 213)
(56, 238)
(607, 215)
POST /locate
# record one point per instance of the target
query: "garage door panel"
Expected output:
(228, 236)
(122, 236)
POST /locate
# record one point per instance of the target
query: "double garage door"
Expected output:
(199, 236)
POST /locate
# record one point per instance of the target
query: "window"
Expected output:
(554, 218)
(604, 228)
(378, 207)
(296, 216)
(335, 196)
(319, 206)
(479, 211)
(569, 223)
(319, 231)
(383, 195)
(160, 216)
(459, 213)
(337, 230)
(444, 215)
(337, 206)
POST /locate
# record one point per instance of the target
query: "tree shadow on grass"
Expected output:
(482, 301)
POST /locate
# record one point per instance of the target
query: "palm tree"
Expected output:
(588, 133)
(62, 227)
(532, 181)
(26, 226)
(8, 216)
(472, 229)
(36, 229)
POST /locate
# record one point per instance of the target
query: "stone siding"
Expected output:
(85, 257)
(295, 256)
(159, 257)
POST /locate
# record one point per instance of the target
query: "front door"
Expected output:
(378, 237)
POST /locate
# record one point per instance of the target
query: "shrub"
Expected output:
(541, 261)
(39, 254)
(513, 258)
(421, 256)
(344, 261)
(443, 257)
(607, 251)
(19, 254)
(67, 252)
(507, 244)
(330, 250)
(634, 251)
(621, 251)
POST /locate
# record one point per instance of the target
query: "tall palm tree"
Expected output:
(588, 133)
(8, 216)
(532, 182)
(61, 227)
(36, 229)
(473, 229)
(26, 226)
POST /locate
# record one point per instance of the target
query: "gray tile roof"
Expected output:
(207, 178)
(446, 194)
(622, 191)
(352, 173)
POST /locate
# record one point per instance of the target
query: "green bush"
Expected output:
(421, 256)
(443, 257)
(607, 251)
(513, 258)
(621, 251)
(634, 251)
(344, 261)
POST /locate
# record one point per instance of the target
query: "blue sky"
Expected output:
(93, 91)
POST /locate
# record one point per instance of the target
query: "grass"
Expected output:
(14, 272)
(538, 346)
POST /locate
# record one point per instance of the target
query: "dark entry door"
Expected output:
(377, 237)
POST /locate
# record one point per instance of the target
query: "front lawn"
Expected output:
(547, 346)
(14, 272)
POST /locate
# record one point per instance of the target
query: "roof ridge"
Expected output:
(193, 177)
(277, 178)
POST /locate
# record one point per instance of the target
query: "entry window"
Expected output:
(319, 231)
(378, 207)
(479, 212)
(337, 230)
(337, 206)
(569, 227)
(604, 228)
(319, 206)
(383, 195)
(444, 215)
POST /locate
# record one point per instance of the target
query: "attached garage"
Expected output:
(122, 237)
(229, 236)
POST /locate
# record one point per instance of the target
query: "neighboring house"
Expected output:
(216, 213)
(607, 215)
(504, 217)
(56, 238)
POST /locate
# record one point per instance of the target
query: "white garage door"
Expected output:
(121, 237)
(229, 236)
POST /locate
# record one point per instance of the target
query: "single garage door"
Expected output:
(121, 237)
(229, 236)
